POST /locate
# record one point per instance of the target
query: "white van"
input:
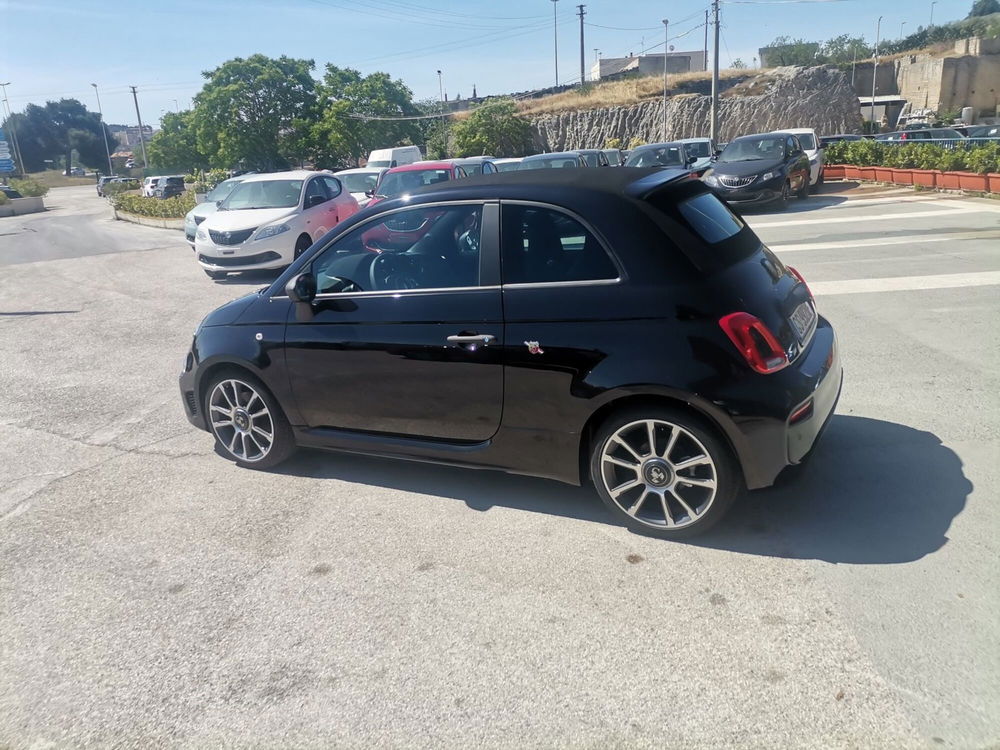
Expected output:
(386, 158)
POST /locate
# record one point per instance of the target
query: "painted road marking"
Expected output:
(915, 239)
(865, 218)
(905, 283)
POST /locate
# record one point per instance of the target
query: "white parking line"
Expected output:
(854, 202)
(905, 283)
(866, 218)
(914, 239)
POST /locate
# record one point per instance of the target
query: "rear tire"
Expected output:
(675, 486)
(248, 424)
(216, 275)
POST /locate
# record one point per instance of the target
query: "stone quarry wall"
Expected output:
(791, 97)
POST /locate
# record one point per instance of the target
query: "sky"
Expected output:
(57, 48)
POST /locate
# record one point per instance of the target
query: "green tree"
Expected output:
(344, 133)
(984, 8)
(845, 49)
(57, 129)
(787, 51)
(175, 144)
(493, 128)
(249, 110)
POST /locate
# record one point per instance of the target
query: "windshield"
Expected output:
(701, 149)
(591, 160)
(754, 149)
(359, 182)
(221, 191)
(397, 183)
(475, 167)
(555, 162)
(659, 156)
(807, 141)
(379, 164)
(263, 194)
(508, 166)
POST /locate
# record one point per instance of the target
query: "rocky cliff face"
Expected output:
(792, 97)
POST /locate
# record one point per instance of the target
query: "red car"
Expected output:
(399, 180)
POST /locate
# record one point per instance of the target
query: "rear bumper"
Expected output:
(771, 440)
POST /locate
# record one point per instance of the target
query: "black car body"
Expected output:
(553, 160)
(760, 169)
(673, 155)
(10, 192)
(169, 187)
(584, 301)
(922, 134)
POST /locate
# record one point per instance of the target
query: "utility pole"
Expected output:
(19, 160)
(581, 13)
(705, 56)
(932, 12)
(666, 47)
(555, 39)
(714, 132)
(878, 31)
(142, 135)
(441, 89)
(107, 149)
(901, 25)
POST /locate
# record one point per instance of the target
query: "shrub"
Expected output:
(951, 160)
(3, 198)
(171, 208)
(112, 189)
(189, 178)
(613, 143)
(984, 159)
(836, 153)
(200, 187)
(635, 143)
(29, 188)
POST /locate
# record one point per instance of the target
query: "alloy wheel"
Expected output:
(241, 420)
(659, 473)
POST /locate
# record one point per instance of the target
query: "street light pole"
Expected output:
(901, 25)
(142, 139)
(441, 89)
(932, 12)
(715, 74)
(104, 132)
(582, 13)
(666, 47)
(555, 40)
(878, 31)
(13, 130)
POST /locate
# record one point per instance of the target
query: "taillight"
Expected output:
(755, 342)
(794, 272)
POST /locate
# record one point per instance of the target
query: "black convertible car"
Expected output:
(622, 327)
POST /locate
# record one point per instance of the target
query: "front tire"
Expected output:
(247, 422)
(782, 202)
(302, 244)
(663, 472)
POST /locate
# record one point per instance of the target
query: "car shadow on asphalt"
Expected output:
(874, 492)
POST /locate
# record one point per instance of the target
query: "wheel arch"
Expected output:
(726, 432)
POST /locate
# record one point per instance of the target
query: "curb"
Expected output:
(149, 221)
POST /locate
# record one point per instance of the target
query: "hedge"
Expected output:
(29, 188)
(982, 158)
(159, 208)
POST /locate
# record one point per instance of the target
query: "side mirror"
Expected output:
(370, 193)
(691, 160)
(301, 288)
(314, 200)
(218, 204)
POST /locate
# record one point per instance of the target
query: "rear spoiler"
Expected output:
(647, 186)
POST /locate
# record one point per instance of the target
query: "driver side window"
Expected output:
(315, 193)
(431, 247)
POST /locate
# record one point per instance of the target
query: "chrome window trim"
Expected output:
(398, 292)
(605, 245)
(587, 282)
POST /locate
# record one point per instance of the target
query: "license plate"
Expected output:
(803, 318)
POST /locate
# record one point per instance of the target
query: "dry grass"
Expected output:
(55, 178)
(618, 93)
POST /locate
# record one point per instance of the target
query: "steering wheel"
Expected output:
(389, 271)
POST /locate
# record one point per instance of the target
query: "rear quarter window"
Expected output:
(710, 218)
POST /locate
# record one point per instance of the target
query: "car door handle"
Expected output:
(484, 339)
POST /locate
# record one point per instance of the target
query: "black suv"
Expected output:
(760, 169)
(168, 187)
(620, 326)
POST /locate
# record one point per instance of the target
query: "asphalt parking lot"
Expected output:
(152, 594)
